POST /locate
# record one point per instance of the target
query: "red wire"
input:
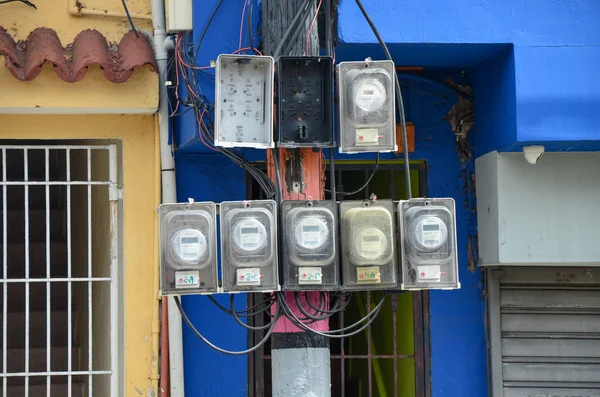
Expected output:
(312, 24)
(246, 49)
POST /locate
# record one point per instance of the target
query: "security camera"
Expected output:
(533, 153)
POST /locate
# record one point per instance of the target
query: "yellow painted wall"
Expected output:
(47, 93)
(140, 183)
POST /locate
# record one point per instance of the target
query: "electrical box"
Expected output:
(428, 243)
(305, 102)
(368, 245)
(188, 248)
(244, 101)
(310, 260)
(179, 15)
(367, 106)
(249, 246)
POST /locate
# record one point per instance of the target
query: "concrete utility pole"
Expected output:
(300, 360)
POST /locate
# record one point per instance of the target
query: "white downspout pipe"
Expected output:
(169, 194)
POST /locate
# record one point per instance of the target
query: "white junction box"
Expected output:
(367, 106)
(249, 246)
(543, 214)
(179, 15)
(188, 248)
(428, 243)
(244, 101)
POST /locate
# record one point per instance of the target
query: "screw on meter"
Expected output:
(431, 233)
(370, 95)
(311, 233)
(371, 243)
(249, 235)
(188, 245)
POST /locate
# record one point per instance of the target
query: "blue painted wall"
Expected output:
(533, 68)
(556, 52)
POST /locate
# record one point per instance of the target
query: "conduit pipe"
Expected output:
(168, 188)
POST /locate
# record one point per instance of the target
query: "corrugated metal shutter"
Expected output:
(545, 332)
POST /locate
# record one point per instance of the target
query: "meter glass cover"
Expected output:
(311, 233)
(370, 95)
(371, 243)
(249, 235)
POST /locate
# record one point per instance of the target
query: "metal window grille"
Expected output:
(60, 295)
(368, 361)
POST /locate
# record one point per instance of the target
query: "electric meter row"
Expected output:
(244, 109)
(310, 256)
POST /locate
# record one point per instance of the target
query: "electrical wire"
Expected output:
(249, 311)
(210, 19)
(360, 189)
(28, 3)
(312, 24)
(400, 102)
(129, 19)
(221, 350)
(241, 323)
(290, 28)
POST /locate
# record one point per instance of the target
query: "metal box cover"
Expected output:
(244, 101)
(305, 102)
(249, 246)
(428, 243)
(309, 238)
(367, 106)
(368, 245)
(188, 248)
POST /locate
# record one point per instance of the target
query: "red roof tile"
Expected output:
(26, 58)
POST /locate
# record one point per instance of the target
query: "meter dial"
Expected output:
(430, 233)
(311, 233)
(188, 246)
(370, 95)
(370, 244)
(249, 235)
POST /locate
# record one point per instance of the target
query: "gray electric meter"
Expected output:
(244, 101)
(249, 246)
(368, 247)
(310, 260)
(188, 248)
(367, 106)
(428, 243)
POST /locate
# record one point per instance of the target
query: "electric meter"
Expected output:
(305, 101)
(367, 106)
(368, 248)
(188, 247)
(428, 243)
(309, 243)
(244, 101)
(249, 246)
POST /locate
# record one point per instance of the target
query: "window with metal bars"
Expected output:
(60, 292)
(391, 357)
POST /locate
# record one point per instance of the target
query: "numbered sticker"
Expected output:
(248, 276)
(370, 274)
(430, 273)
(310, 275)
(187, 279)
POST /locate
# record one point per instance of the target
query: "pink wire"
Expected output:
(242, 23)
(312, 24)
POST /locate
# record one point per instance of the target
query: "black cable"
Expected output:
(249, 27)
(129, 19)
(28, 3)
(360, 189)
(220, 350)
(212, 16)
(329, 46)
(247, 312)
(292, 26)
(400, 101)
(241, 323)
(305, 312)
(338, 310)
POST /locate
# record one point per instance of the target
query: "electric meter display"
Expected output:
(367, 106)
(368, 248)
(428, 241)
(244, 101)
(310, 245)
(249, 246)
(188, 247)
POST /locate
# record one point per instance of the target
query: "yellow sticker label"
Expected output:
(370, 274)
